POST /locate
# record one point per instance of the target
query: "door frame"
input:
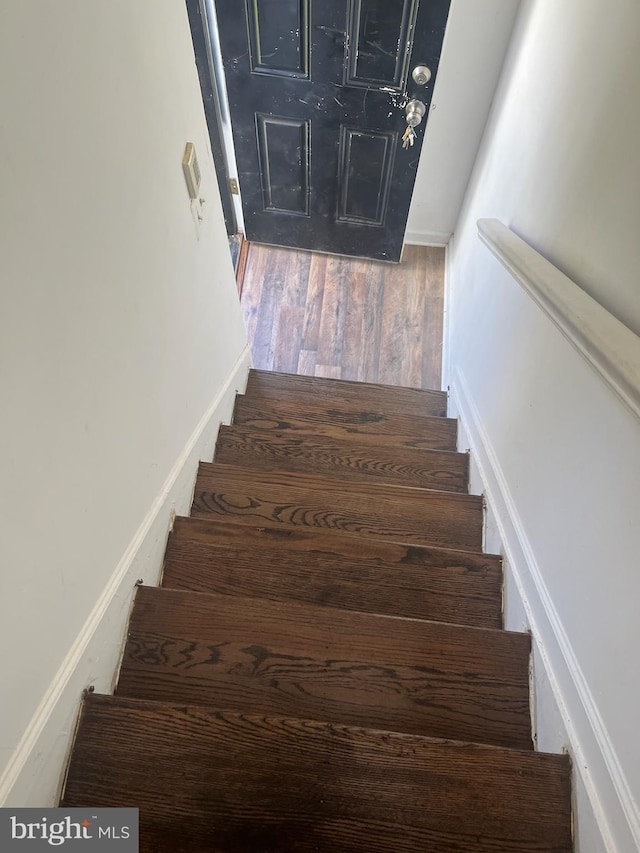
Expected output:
(206, 47)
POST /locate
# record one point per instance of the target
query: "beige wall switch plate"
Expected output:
(191, 169)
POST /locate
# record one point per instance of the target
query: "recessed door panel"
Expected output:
(279, 37)
(283, 144)
(379, 41)
(366, 163)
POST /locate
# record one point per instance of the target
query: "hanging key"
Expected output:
(408, 137)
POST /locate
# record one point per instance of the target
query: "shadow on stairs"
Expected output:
(323, 669)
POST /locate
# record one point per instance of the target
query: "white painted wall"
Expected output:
(121, 345)
(559, 454)
(474, 48)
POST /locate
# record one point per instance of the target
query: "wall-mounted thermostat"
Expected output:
(191, 169)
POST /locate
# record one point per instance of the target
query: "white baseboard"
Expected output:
(606, 816)
(422, 238)
(33, 774)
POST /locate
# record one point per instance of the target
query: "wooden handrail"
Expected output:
(611, 348)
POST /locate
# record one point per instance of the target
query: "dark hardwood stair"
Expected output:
(219, 781)
(264, 384)
(337, 419)
(322, 567)
(344, 459)
(272, 657)
(323, 668)
(395, 513)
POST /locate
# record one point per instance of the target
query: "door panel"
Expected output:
(279, 36)
(380, 30)
(284, 164)
(366, 163)
(317, 92)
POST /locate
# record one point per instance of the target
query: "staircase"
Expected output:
(323, 669)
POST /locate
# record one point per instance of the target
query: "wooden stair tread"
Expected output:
(263, 383)
(398, 513)
(312, 565)
(344, 419)
(345, 459)
(304, 660)
(249, 782)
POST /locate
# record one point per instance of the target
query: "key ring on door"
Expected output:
(408, 137)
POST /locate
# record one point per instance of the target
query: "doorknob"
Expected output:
(415, 109)
(421, 75)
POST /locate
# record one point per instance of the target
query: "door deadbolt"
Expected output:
(421, 75)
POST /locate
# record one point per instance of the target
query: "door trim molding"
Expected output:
(208, 10)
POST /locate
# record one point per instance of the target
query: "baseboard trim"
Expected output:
(593, 754)
(446, 317)
(420, 238)
(29, 777)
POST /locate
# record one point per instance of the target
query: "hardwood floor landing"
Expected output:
(346, 318)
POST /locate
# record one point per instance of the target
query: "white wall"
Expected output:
(559, 454)
(474, 48)
(121, 345)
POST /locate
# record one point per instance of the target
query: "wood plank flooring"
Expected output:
(346, 318)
